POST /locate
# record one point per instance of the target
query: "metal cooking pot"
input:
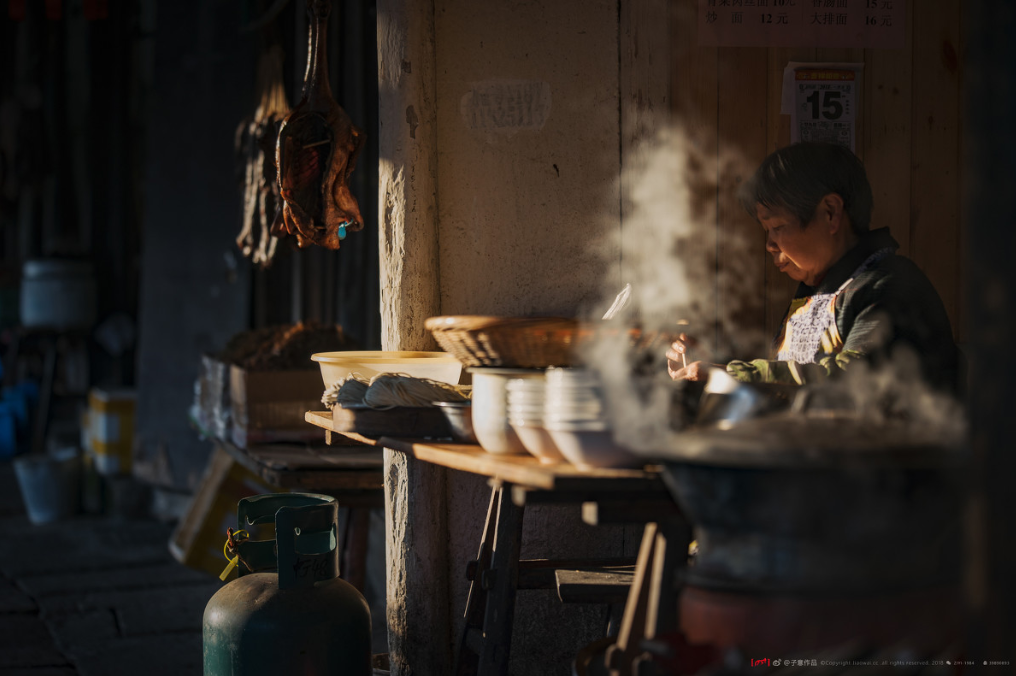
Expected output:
(726, 401)
(809, 502)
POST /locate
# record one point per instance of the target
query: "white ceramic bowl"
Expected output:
(525, 415)
(537, 440)
(591, 448)
(527, 385)
(459, 415)
(515, 399)
(525, 391)
(586, 422)
(531, 402)
(567, 404)
(581, 397)
(561, 412)
(490, 408)
(575, 425)
(524, 402)
(571, 376)
(519, 390)
(434, 365)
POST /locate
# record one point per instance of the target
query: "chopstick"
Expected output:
(684, 359)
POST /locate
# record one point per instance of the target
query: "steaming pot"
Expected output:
(811, 502)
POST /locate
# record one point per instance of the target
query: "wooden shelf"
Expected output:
(323, 419)
(523, 470)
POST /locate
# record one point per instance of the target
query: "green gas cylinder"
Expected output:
(288, 612)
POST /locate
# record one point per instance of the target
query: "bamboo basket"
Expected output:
(509, 342)
(532, 342)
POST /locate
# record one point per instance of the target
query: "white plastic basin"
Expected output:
(439, 366)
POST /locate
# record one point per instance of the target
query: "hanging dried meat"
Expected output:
(316, 152)
(255, 145)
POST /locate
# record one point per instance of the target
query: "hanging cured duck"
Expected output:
(255, 146)
(316, 152)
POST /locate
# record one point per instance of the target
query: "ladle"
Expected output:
(619, 303)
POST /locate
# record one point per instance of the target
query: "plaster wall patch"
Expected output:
(506, 106)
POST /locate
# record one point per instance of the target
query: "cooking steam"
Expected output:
(683, 267)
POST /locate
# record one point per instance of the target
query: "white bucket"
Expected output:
(57, 294)
(49, 484)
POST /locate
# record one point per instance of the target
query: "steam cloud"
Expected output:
(669, 245)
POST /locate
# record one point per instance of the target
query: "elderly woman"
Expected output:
(857, 298)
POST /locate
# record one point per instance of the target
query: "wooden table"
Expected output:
(607, 495)
(523, 470)
(352, 472)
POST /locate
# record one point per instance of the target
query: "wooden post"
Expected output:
(415, 519)
(990, 169)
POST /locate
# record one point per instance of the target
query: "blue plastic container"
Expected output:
(8, 430)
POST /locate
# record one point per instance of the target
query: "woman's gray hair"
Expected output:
(798, 176)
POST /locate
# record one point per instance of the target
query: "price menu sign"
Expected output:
(873, 24)
(824, 104)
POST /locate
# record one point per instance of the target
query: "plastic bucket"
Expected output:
(49, 484)
(57, 294)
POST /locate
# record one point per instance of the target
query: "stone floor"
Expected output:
(94, 596)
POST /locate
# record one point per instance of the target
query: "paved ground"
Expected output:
(94, 596)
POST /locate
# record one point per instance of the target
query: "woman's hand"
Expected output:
(677, 361)
(697, 371)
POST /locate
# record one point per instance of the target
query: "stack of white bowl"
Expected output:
(525, 415)
(575, 415)
(490, 408)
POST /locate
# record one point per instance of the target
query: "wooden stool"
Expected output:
(651, 608)
(497, 574)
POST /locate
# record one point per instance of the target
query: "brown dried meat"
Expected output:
(317, 148)
(255, 144)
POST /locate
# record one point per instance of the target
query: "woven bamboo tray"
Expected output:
(510, 342)
(529, 342)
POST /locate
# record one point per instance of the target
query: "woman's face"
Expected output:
(802, 252)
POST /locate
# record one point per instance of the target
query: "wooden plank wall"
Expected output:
(908, 134)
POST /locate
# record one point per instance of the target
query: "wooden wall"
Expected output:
(908, 135)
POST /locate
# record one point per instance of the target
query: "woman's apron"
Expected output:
(810, 331)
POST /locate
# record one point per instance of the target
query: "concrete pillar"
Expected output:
(419, 640)
(524, 98)
(415, 519)
(408, 172)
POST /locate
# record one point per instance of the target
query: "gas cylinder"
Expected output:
(287, 612)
